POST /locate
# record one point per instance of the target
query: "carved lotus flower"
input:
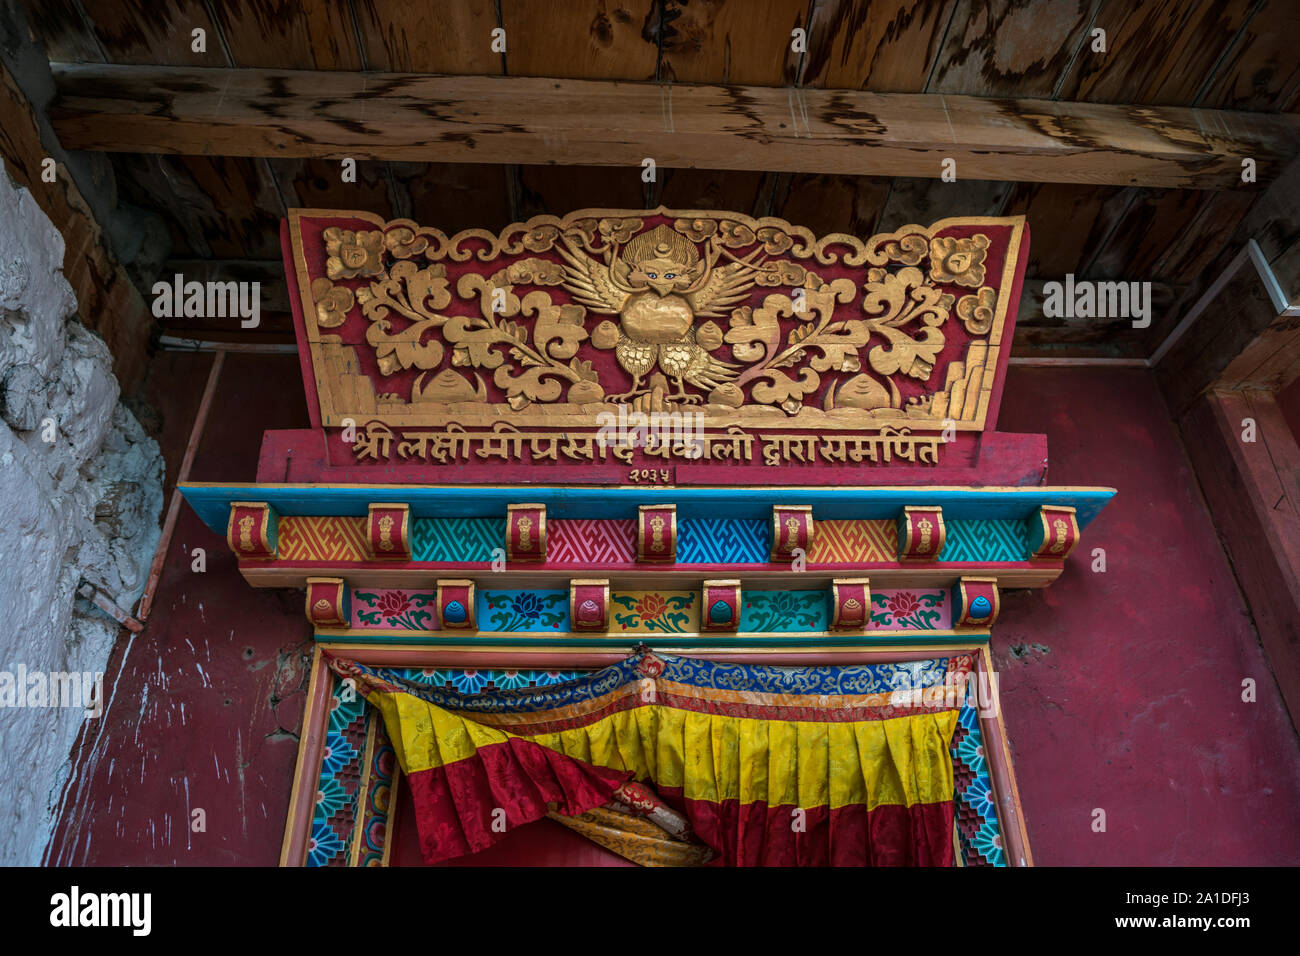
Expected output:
(333, 302)
(958, 260)
(353, 253)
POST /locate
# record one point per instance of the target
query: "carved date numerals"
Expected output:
(660, 476)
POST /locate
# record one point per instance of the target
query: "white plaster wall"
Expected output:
(83, 508)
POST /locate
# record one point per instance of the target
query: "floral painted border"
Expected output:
(671, 612)
(396, 608)
(912, 610)
(661, 612)
(784, 611)
(978, 829)
(525, 611)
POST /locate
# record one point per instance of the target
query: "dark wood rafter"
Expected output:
(286, 113)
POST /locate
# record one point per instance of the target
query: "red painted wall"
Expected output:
(1134, 707)
(1133, 704)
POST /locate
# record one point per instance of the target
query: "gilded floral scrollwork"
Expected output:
(904, 299)
(718, 311)
(417, 294)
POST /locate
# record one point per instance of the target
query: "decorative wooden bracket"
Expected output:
(526, 532)
(329, 602)
(975, 602)
(589, 604)
(456, 605)
(1057, 532)
(388, 531)
(921, 533)
(656, 534)
(850, 604)
(253, 529)
(793, 529)
(721, 608)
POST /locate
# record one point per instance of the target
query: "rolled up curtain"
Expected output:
(773, 766)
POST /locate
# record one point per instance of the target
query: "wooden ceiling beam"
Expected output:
(538, 120)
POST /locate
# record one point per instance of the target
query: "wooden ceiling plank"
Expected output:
(302, 35)
(542, 120)
(929, 200)
(1010, 47)
(1261, 71)
(887, 47)
(1090, 213)
(1146, 229)
(1156, 53)
(62, 30)
(595, 39)
(826, 204)
(401, 37)
(318, 184)
(145, 182)
(552, 189)
(733, 41)
(145, 31)
(456, 196)
(709, 189)
(235, 204)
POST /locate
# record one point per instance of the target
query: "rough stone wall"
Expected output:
(82, 508)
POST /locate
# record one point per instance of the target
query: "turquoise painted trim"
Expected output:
(984, 541)
(448, 540)
(518, 638)
(724, 541)
(212, 502)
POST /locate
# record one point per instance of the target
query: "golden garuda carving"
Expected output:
(749, 322)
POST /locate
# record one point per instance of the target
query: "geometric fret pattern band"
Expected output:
(597, 541)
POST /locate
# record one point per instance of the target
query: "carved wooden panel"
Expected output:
(653, 336)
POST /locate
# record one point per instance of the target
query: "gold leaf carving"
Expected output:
(903, 298)
(403, 243)
(977, 310)
(605, 335)
(958, 260)
(353, 253)
(449, 386)
(333, 303)
(755, 332)
(719, 310)
(780, 389)
(860, 391)
(709, 336)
